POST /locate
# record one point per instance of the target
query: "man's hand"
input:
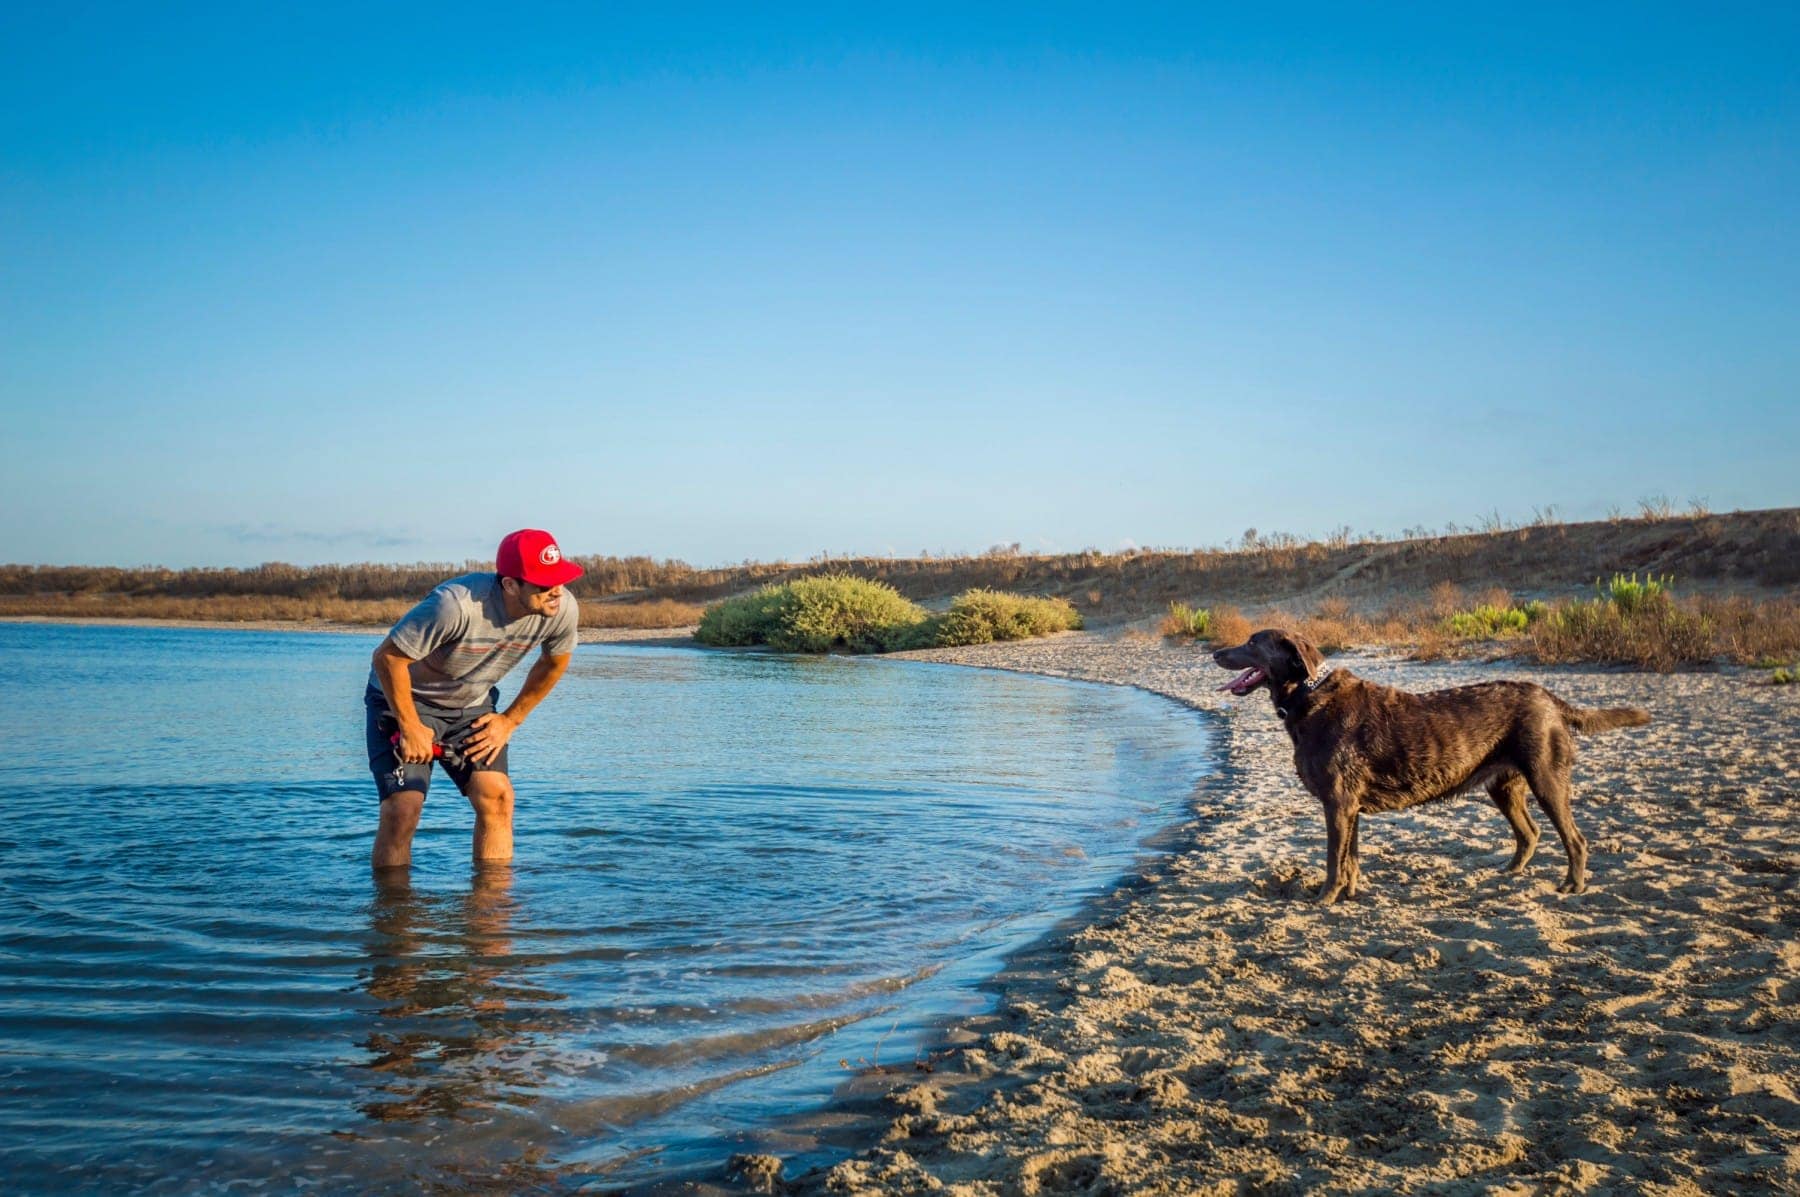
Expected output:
(487, 736)
(415, 744)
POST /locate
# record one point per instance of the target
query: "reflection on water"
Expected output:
(732, 873)
(456, 1016)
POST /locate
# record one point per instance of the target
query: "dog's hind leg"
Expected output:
(1549, 781)
(1509, 792)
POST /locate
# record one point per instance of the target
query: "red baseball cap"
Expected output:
(532, 555)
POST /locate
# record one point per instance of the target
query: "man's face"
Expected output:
(537, 600)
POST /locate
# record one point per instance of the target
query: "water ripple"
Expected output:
(732, 873)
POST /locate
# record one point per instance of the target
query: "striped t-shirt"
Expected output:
(462, 644)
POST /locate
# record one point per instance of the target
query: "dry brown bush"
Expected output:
(663, 613)
(1386, 629)
(1330, 635)
(1661, 635)
(1446, 600)
(1229, 625)
(222, 608)
(1495, 596)
(1747, 631)
(254, 608)
(1430, 644)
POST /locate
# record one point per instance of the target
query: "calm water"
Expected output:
(733, 873)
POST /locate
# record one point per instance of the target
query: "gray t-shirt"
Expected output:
(462, 643)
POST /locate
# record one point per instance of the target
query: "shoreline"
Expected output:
(1204, 1027)
(230, 625)
(681, 637)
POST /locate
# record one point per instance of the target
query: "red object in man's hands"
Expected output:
(437, 750)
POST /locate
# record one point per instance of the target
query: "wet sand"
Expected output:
(1208, 1029)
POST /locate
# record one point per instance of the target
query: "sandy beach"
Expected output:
(1207, 1029)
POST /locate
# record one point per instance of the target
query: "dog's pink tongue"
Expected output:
(1240, 679)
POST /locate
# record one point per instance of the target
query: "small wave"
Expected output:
(730, 1045)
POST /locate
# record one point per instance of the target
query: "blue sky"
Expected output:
(355, 283)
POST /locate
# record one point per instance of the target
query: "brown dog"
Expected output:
(1362, 747)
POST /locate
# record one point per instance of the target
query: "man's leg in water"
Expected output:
(491, 794)
(402, 786)
(399, 819)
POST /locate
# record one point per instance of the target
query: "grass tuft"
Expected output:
(1219, 624)
(1630, 595)
(1494, 621)
(1196, 623)
(1486, 623)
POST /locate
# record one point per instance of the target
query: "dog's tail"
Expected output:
(1587, 720)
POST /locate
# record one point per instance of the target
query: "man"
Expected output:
(432, 690)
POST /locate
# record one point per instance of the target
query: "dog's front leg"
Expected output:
(1340, 820)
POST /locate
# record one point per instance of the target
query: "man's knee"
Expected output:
(399, 819)
(400, 811)
(491, 794)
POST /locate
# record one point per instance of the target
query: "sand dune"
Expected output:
(1452, 1030)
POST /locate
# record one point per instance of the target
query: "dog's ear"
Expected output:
(1297, 649)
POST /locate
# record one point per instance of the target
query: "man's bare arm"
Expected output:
(545, 673)
(489, 734)
(391, 670)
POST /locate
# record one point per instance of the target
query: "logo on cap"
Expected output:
(551, 555)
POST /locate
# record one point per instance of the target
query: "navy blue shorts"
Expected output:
(449, 727)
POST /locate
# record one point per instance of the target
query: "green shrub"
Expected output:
(1183, 620)
(831, 611)
(840, 611)
(742, 621)
(983, 616)
(815, 615)
(1785, 677)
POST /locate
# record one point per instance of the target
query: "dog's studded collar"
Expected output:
(1306, 687)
